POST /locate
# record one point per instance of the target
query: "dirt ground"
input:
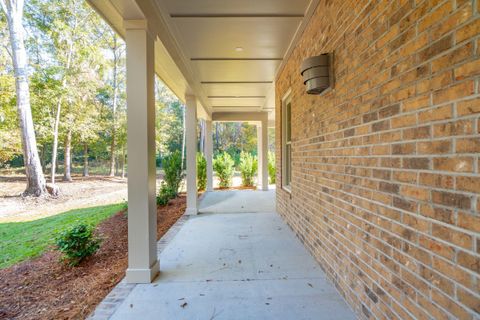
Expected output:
(80, 193)
(44, 288)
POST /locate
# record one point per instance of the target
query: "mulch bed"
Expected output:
(44, 288)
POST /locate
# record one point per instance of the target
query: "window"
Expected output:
(286, 142)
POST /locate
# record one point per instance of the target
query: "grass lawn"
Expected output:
(20, 241)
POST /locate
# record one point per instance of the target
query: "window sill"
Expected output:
(287, 189)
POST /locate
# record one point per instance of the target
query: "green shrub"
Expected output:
(165, 193)
(201, 171)
(271, 167)
(77, 243)
(223, 166)
(248, 168)
(172, 166)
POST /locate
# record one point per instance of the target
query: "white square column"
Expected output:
(262, 150)
(209, 154)
(191, 154)
(143, 263)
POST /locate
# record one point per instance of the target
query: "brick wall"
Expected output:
(386, 168)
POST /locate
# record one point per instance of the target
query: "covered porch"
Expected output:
(239, 262)
(378, 175)
(221, 59)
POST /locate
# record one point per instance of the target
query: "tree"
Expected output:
(88, 125)
(36, 184)
(71, 45)
(117, 49)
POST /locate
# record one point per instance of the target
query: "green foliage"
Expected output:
(248, 168)
(78, 243)
(20, 241)
(201, 171)
(234, 137)
(223, 166)
(9, 133)
(165, 193)
(271, 167)
(169, 121)
(172, 166)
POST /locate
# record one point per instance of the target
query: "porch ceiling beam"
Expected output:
(239, 116)
(233, 15)
(235, 82)
(236, 59)
(235, 97)
(230, 107)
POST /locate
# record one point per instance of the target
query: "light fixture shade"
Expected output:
(316, 73)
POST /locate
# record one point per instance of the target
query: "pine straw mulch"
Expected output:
(44, 288)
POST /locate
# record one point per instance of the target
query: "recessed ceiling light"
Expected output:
(239, 49)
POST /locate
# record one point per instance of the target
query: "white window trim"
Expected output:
(285, 100)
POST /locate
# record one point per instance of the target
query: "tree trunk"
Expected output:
(123, 162)
(85, 159)
(58, 112)
(36, 185)
(114, 106)
(184, 136)
(55, 141)
(112, 156)
(42, 158)
(202, 136)
(68, 161)
(217, 143)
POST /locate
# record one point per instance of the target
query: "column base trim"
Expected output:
(191, 211)
(133, 275)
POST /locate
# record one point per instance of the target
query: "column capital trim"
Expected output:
(190, 97)
(139, 24)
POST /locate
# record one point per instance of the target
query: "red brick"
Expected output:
(467, 183)
(436, 180)
(468, 221)
(440, 113)
(452, 199)
(468, 145)
(467, 31)
(458, 238)
(454, 92)
(467, 107)
(386, 165)
(434, 147)
(467, 70)
(455, 164)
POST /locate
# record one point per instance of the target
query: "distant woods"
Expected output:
(63, 102)
(68, 107)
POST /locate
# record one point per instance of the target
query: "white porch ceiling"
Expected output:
(201, 37)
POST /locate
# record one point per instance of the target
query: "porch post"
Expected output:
(191, 155)
(262, 149)
(209, 154)
(143, 263)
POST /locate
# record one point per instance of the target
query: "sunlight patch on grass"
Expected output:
(20, 241)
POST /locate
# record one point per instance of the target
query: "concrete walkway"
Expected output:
(234, 266)
(238, 201)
